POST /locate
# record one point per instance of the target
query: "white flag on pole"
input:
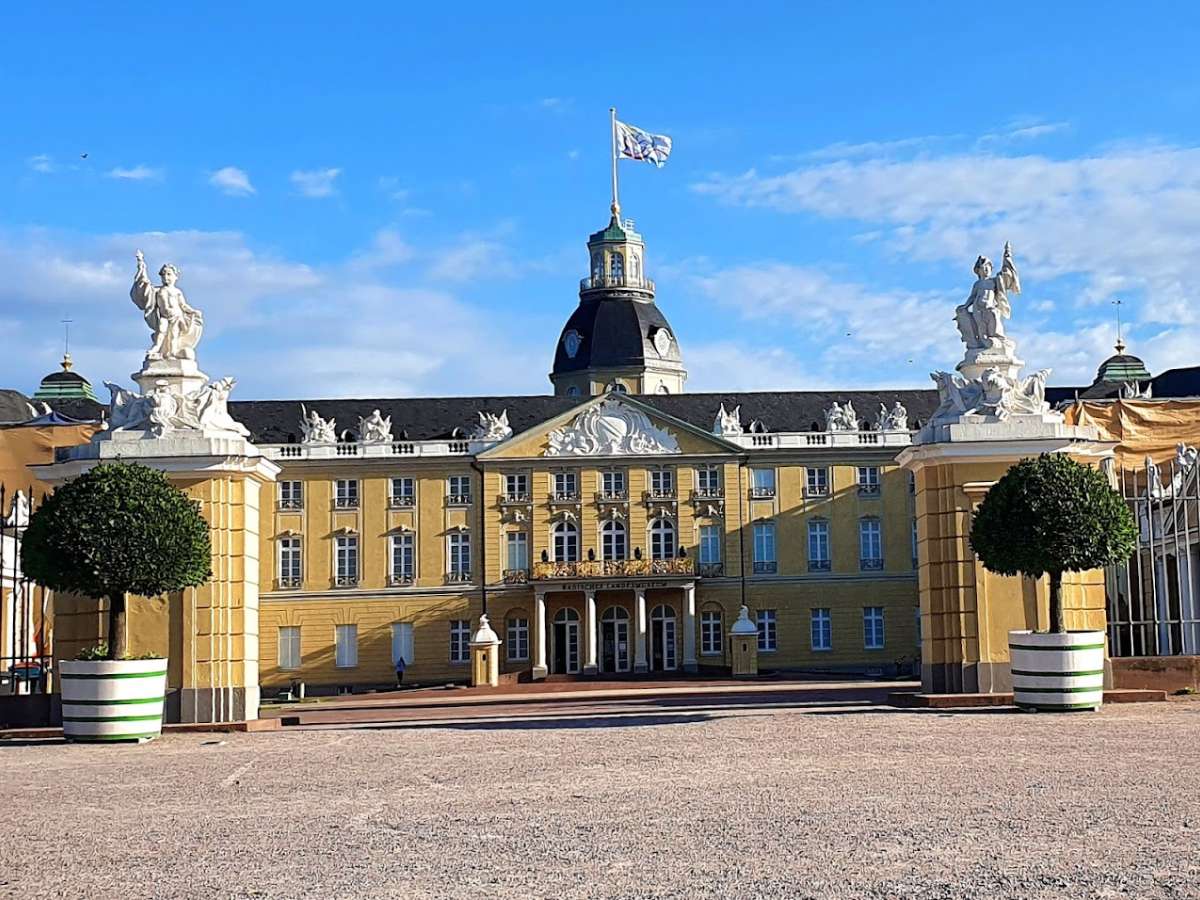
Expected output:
(633, 143)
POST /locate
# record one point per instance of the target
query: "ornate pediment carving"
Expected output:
(611, 428)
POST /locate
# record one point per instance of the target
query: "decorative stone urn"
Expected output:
(1057, 671)
(112, 700)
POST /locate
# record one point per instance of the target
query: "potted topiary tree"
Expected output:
(1048, 516)
(116, 530)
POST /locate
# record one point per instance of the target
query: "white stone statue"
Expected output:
(374, 429)
(1131, 390)
(163, 409)
(895, 419)
(841, 418)
(315, 429)
(610, 428)
(1185, 457)
(728, 424)
(176, 326)
(981, 318)
(492, 427)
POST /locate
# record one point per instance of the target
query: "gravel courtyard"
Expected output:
(863, 802)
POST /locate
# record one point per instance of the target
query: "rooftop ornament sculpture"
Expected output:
(895, 419)
(374, 429)
(315, 429)
(492, 427)
(176, 327)
(841, 418)
(728, 424)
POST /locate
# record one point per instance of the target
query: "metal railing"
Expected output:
(1153, 599)
(765, 567)
(599, 282)
(401, 579)
(711, 570)
(565, 496)
(614, 496)
(762, 493)
(613, 568)
(289, 582)
(26, 657)
(401, 501)
(516, 576)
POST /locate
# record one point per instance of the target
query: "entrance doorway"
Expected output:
(565, 660)
(662, 639)
(614, 640)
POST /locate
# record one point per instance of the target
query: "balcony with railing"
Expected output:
(514, 498)
(401, 579)
(515, 576)
(628, 280)
(765, 567)
(660, 495)
(460, 576)
(565, 497)
(370, 451)
(765, 492)
(289, 583)
(458, 499)
(711, 569)
(871, 564)
(401, 501)
(616, 495)
(819, 565)
(710, 493)
(345, 503)
(346, 581)
(289, 504)
(614, 568)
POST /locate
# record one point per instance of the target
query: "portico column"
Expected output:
(689, 628)
(639, 631)
(590, 637)
(539, 634)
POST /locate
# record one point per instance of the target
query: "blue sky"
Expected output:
(388, 200)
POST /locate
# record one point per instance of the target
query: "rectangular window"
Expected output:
(458, 490)
(289, 646)
(516, 488)
(818, 545)
(345, 646)
(460, 638)
(873, 627)
(403, 493)
(662, 482)
(870, 544)
(566, 486)
(612, 484)
(517, 639)
(711, 636)
(710, 544)
(764, 547)
(816, 482)
(403, 558)
(612, 541)
(290, 572)
(762, 483)
(347, 560)
(915, 560)
(345, 494)
(402, 642)
(516, 551)
(766, 630)
(708, 481)
(291, 495)
(458, 553)
(868, 481)
(822, 629)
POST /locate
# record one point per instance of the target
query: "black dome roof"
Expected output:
(615, 332)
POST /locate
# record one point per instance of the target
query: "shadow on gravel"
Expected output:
(945, 713)
(32, 742)
(625, 721)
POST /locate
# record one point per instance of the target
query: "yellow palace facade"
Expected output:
(614, 527)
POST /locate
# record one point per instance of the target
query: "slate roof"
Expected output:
(15, 407)
(438, 418)
(616, 332)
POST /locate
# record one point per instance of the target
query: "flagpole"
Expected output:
(616, 204)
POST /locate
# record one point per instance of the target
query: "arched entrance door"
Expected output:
(614, 640)
(565, 659)
(662, 639)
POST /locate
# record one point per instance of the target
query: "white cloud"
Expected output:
(556, 104)
(316, 182)
(139, 172)
(232, 181)
(339, 329)
(572, 154)
(41, 163)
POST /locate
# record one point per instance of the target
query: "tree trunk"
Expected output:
(1056, 604)
(117, 639)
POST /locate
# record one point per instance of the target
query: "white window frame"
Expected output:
(870, 538)
(458, 489)
(609, 532)
(816, 481)
(709, 551)
(289, 655)
(403, 491)
(458, 553)
(346, 561)
(566, 485)
(708, 480)
(345, 493)
(345, 643)
(514, 540)
(763, 482)
(712, 634)
(768, 634)
(291, 559)
(869, 483)
(818, 540)
(820, 629)
(460, 641)
(764, 542)
(564, 542)
(516, 638)
(663, 539)
(662, 482)
(291, 494)
(403, 543)
(516, 485)
(873, 628)
(612, 482)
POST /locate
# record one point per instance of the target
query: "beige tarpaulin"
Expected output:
(1141, 428)
(22, 446)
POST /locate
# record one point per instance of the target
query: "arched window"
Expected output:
(565, 539)
(573, 391)
(635, 267)
(615, 614)
(663, 613)
(617, 388)
(616, 266)
(612, 541)
(597, 268)
(662, 389)
(662, 539)
(566, 614)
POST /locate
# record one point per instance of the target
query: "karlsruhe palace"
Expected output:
(615, 526)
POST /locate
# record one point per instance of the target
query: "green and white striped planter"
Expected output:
(1057, 671)
(112, 700)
